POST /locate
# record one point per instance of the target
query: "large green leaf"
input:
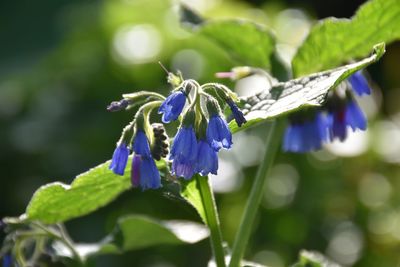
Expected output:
(285, 97)
(137, 232)
(246, 42)
(333, 41)
(58, 202)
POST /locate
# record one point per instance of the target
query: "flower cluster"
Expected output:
(309, 129)
(201, 135)
(195, 150)
(144, 172)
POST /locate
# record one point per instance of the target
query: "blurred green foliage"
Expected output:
(64, 61)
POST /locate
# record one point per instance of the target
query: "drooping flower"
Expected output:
(144, 172)
(119, 159)
(348, 115)
(184, 152)
(149, 175)
(141, 144)
(172, 107)
(306, 135)
(237, 113)
(7, 260)
(218, 133)
(182, 167)
(359, 83)
(207, 159)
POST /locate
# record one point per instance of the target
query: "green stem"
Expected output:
(212, 219)
(133, 96)
(19, 253)
(257, 190)
(39, 246)
(65, 240)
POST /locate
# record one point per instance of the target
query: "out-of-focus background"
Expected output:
(63, 61)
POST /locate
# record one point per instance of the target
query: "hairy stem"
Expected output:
(136, 95)
(212, 220)
(257, 190)
(63, 238)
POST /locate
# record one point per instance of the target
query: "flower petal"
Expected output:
(141, 144)
(218, 133)
(119, 159)
(359, 83)
(149, 175)
(172, 107)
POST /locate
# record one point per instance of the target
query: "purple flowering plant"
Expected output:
(203, 131)
(306, 105)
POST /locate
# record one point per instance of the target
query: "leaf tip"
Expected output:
(379, 50)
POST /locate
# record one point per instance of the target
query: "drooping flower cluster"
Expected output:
(305, 134)
(198, 141)
(144, 172)
(309, 129)
(201, 135)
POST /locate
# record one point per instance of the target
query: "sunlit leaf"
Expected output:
(333, 42)
(137, 232)
(285, 97)
(58, 202)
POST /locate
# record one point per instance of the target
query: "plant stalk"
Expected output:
(212, 220)
(62, 237)
(257, 190)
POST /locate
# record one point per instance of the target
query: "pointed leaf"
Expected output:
(285, 97)
(58, 202)
(333, 41)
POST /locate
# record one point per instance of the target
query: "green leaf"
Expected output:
(285, 97)
(191, 192)
(58, 202)
(335, 41)
(137, 232)
(247, 42)
(314, 259)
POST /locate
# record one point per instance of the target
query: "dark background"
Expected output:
(58, 72)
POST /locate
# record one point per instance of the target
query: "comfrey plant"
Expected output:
(202, 133)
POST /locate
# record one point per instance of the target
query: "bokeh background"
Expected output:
(63, 61)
